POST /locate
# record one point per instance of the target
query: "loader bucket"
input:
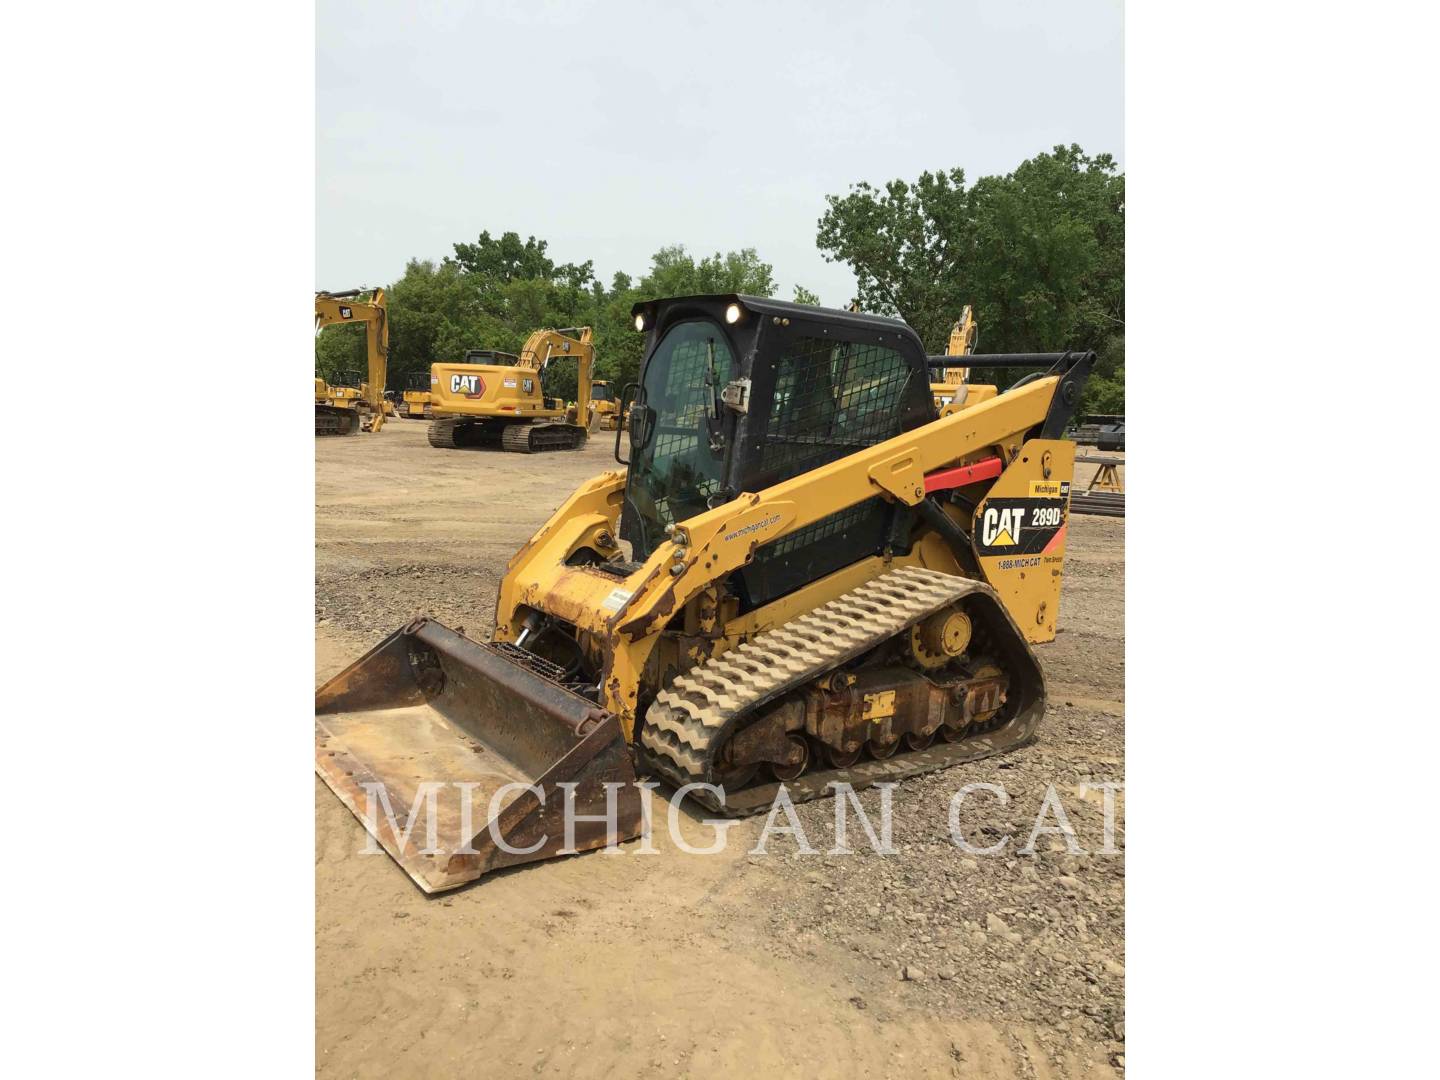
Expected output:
(468, 745)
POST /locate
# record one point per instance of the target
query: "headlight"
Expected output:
(640, 321)
(732, 313)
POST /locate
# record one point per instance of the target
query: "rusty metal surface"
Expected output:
(428, 705)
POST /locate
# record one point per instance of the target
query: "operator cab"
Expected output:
(490, 356)
(738, 393)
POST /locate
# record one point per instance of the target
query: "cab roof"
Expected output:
(785, 309)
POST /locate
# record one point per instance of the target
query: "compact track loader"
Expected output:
(501, 404)
(802, 576)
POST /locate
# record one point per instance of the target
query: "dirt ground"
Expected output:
(781, 964)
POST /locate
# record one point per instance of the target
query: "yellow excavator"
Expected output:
(950, 383)
(802, 575)
(347, 413)
(496, 401)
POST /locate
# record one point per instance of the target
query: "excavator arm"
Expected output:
(964, 336)
(343, 307)
(544, 346)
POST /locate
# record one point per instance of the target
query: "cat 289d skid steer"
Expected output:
(802, 576)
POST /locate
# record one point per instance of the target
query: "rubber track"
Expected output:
(685, 726)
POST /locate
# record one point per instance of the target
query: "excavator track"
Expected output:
(464, 433)
(535, 438)
(442, 433)
(684, 729)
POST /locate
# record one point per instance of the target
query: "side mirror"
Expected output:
(627, 396)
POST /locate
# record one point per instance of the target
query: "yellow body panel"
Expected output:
(952, 397)
(488, 390)
(1020, 529)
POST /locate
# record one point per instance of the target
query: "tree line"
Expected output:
(1039, 253)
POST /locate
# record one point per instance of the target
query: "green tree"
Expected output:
(436, 313)
(1039, 252)
(494, 292)
(805, 296)
(508, 259)
(674, 272)
(339, 352)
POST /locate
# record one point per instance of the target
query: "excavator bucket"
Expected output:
(461, 757)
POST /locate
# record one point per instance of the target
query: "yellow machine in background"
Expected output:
(351, 409)
(326, 404)
(951, 385)
(415, 398)
(501, 405)
(604, 408)
(803, 577)
(342, 405)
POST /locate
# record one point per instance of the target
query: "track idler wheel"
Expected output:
(915, 740)
(795, 771)
(839, 759)
(881, 749)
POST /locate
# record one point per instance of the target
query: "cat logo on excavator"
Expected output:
(472, 386)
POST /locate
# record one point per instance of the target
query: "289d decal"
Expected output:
(1018, 526)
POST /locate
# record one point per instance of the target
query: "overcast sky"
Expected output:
(613, 129)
